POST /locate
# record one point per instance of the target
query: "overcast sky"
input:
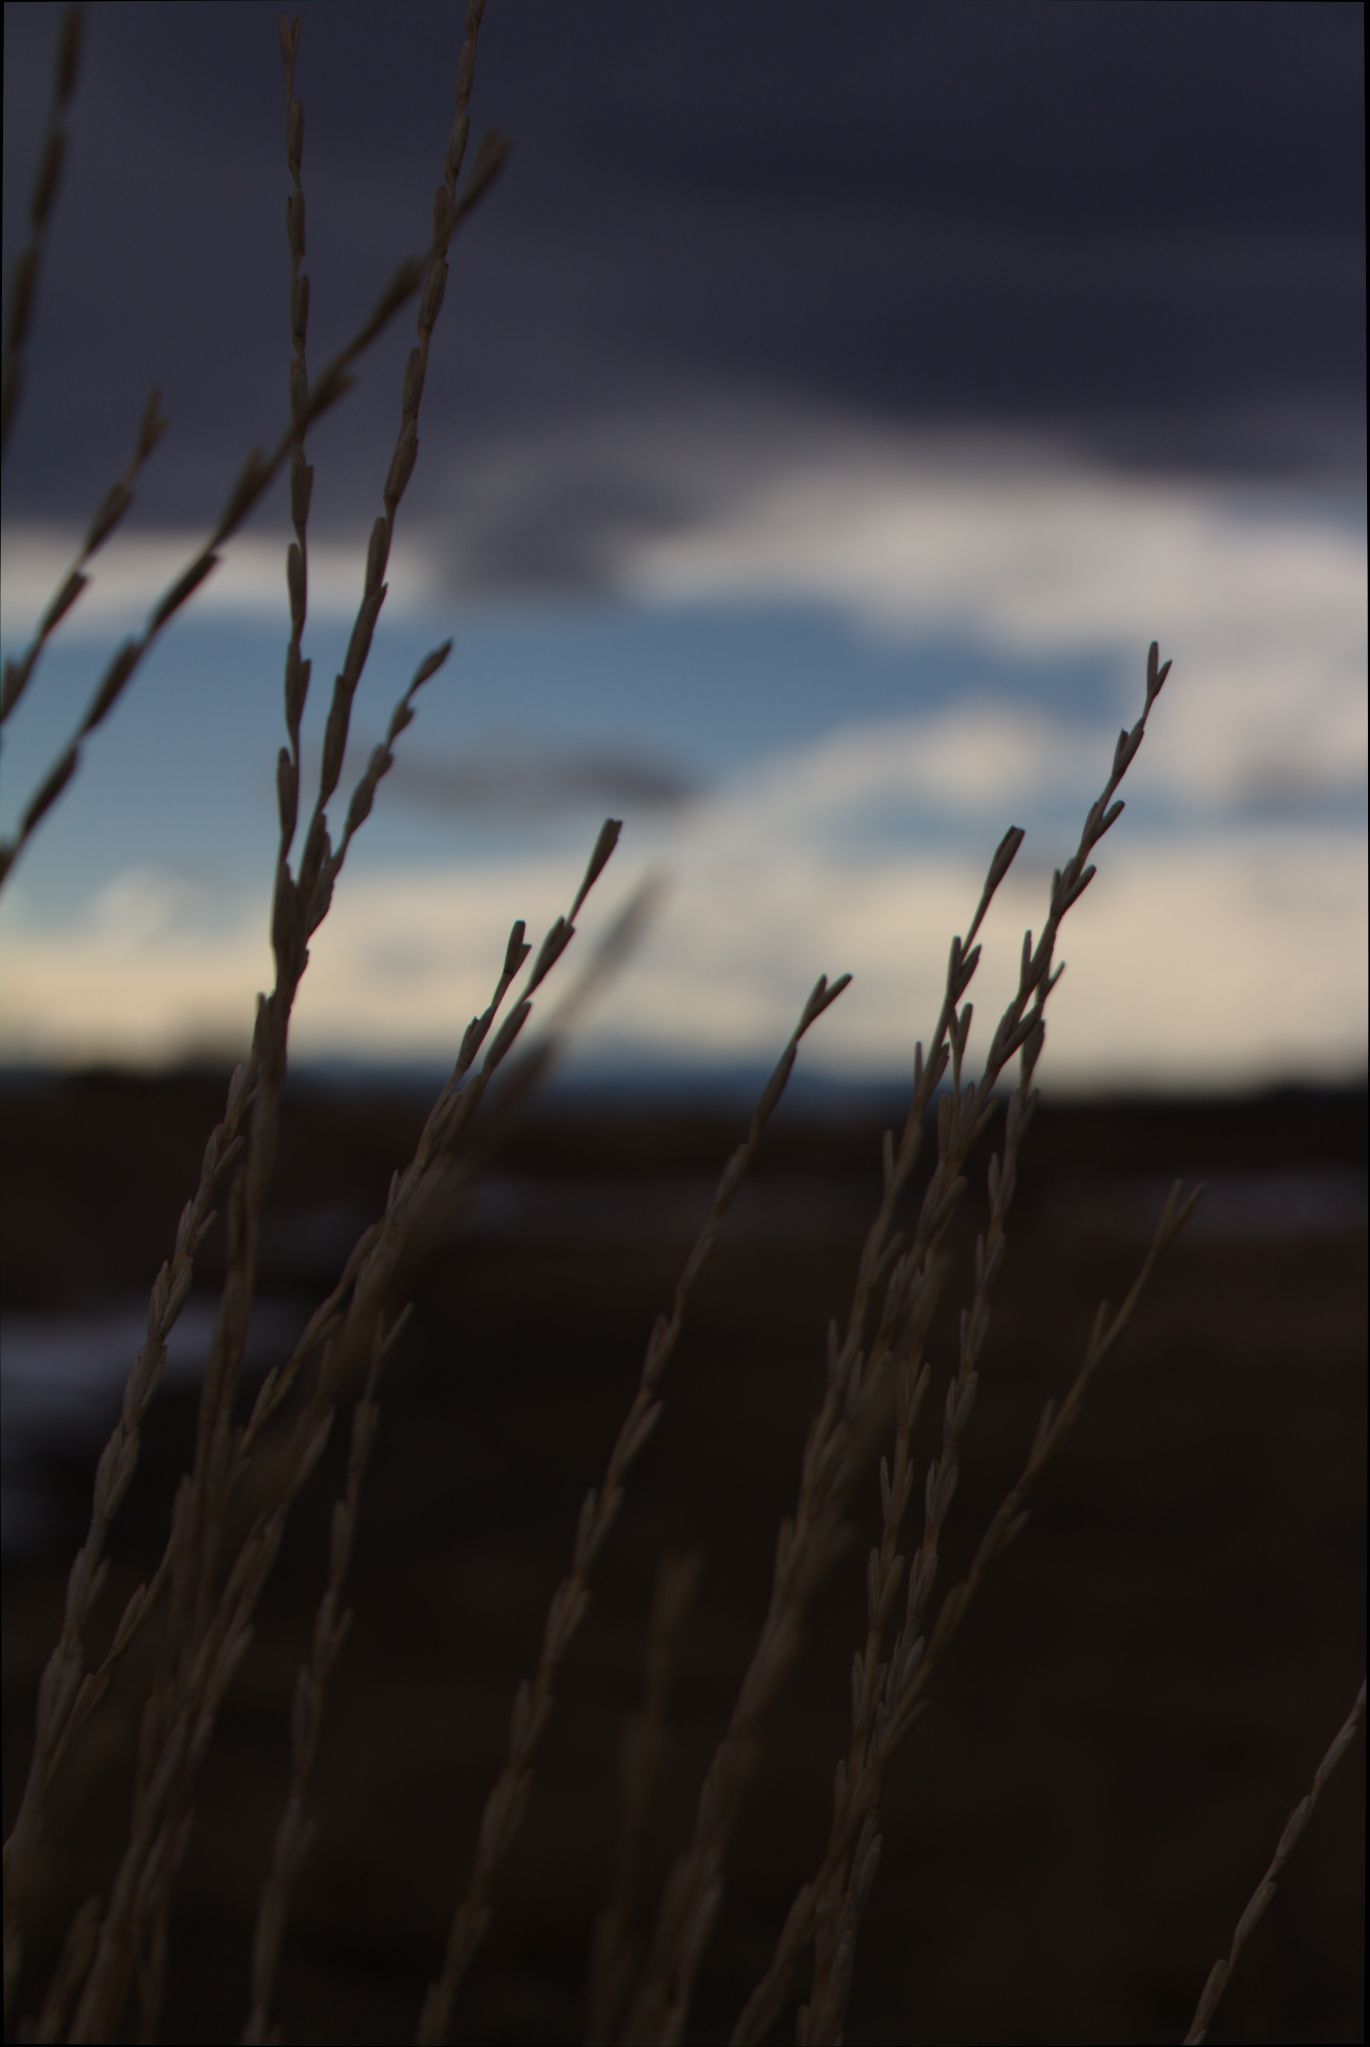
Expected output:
(826, 412)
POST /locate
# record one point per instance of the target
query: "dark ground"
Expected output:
(1138, 1698)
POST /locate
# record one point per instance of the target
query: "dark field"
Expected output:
(1138, 1698)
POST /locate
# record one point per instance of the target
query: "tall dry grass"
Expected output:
(194, 1616)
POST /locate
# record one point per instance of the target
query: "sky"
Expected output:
(826, 412)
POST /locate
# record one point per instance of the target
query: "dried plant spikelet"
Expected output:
(466, 72)
(700, 1251)
(295, 581)
(731, 1174)
(564, 1616)
(377, 553)
(834, 1351)
(12, 689)
(333, 384)
(1177, 1221)
(642, 1430)
(945, 1206)
(401, 464)
(334, 746)
(1342, 1741)
(25, 276)
(456, 145)
(404, 283)
(1077, 888)
(491, 158)
(585, 1523)
(1096, 1335)
(433, 294)
(959, 1404)
(430, 665)
(521, 1715)
(507, 1033)
(945, 1491)
(1212, 1991)
(297, 674)
(78, 1952)
(1253, 1913)
(1016, 1037)
(599, 859)
(823, 997)
(151, 427)
(246, 490)
(60, 605)
(51, 788)
(69, 52)
(49, 173)
(359, 646)
(115, 677)
(1004, 855)
(517, 951)
(776, 1085)
(608, 1514)
(113, 506)
(553, 946)
(182, 589)
(1153, 656)
(444, 217)
(364, 795)
(471, 1042)
(289, 34)
(285, 919)
(1044, 1424)
(1294, 1826)
(413, 381)
(495, 1818)
(858, 1671)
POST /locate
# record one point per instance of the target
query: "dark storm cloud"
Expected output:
(1137, 229)
(507, 785)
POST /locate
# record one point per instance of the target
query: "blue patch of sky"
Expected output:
(181, 775)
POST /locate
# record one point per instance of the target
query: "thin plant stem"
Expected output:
(1220, 1975)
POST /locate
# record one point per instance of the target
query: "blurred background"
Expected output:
(820, 425)
(824, 417)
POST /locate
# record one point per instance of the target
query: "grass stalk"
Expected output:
(1220, 1975)
(233, 1503)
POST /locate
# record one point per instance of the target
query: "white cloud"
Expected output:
(1033, 550)
(133, 571)
(1195, 959)
(1008, 542)
(1213, 956)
